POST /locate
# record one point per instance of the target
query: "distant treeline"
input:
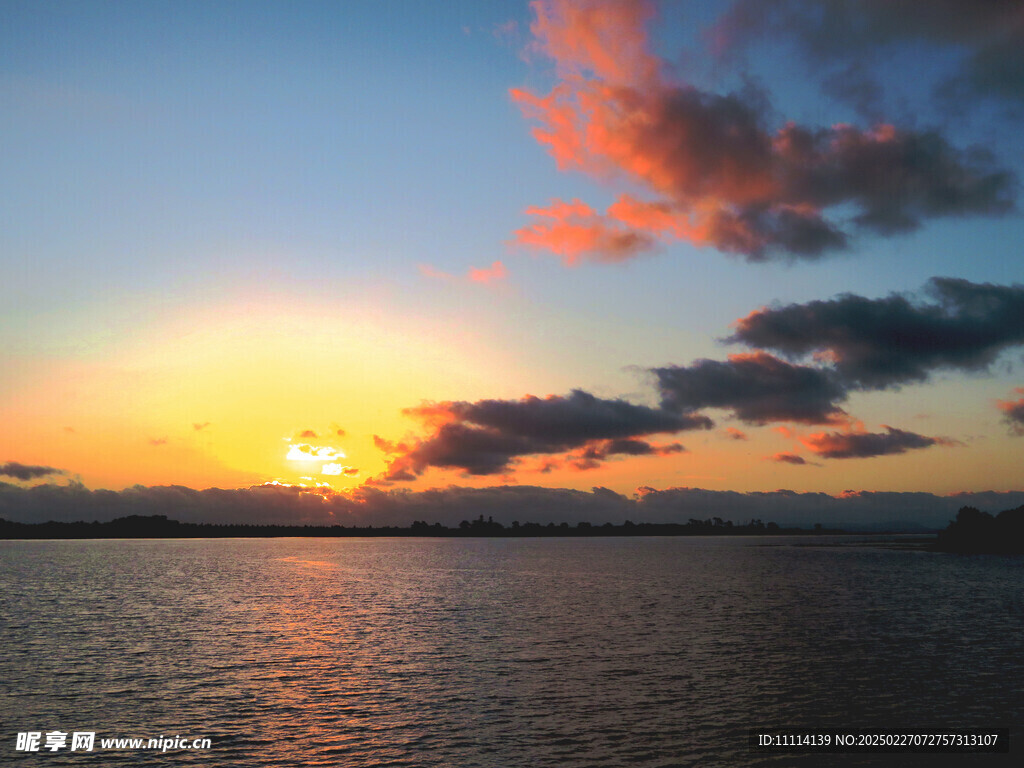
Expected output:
(160, 527)
(975, 531)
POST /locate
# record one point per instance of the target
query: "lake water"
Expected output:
(503, 652)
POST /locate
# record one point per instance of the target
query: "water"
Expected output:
(503, 652)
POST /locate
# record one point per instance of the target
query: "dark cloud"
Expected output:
(1013, 412)
(714, 170)
(628, 446)
(788, 458)
(854, 510)
(567, 421)
(758, 388)
(860, 444)
(894, 178)
(764, 231)
(879, 343)
(995, 70)
(593, 454)
(484, 437)
(27, 471)
(986, 38)
(856, 86)
(843, 27)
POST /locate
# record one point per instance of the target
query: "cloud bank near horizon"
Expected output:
(288, 505)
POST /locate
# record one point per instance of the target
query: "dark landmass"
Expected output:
(160, 527)
(977, 532)
(973, 531)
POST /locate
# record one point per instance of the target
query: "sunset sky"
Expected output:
(376, 246)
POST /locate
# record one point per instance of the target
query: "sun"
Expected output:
(328, 457)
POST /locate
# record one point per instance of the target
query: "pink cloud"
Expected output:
(1013, 412)
(495, 273)
(715, 173)
(486, 275)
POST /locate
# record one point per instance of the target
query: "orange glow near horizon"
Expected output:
(247, 372)
(219, 398)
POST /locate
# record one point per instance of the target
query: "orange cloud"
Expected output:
(432, 415)
(1013, 412)
(484, 275)
(490, 274)
(574, 231)
(608, 39)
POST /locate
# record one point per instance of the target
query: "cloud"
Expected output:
(200, 426)
(715, 172)
(856, 86)
(158, 441)
(736, 434)
(306, 452)
(486, 275)
(592, 456)
(487, 436)
(859, 444)
(290, 505)
(26, 471)
(1013, 412)
(788, 458)
(575, 231)
(338, 469)
(483, 275)
(306, 434)
(986, 39)
(879, 343)
(758, 388)
(995, 70)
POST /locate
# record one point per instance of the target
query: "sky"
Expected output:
(556, 259)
